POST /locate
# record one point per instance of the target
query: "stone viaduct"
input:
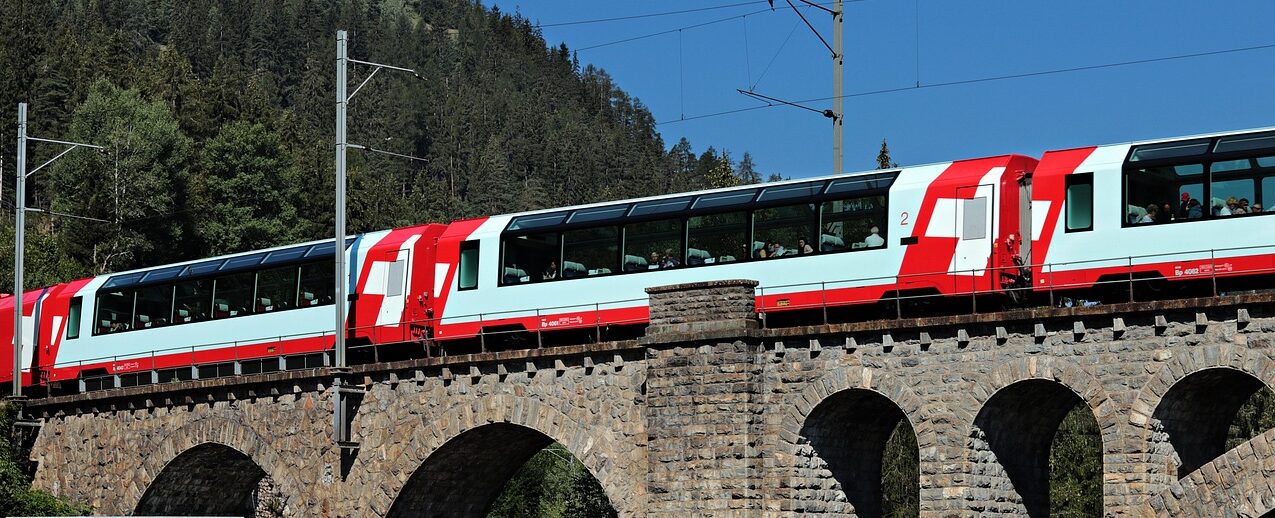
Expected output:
(710, 415)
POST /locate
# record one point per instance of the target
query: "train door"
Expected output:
(975, 233)
(395, 276)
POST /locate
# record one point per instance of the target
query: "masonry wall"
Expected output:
(710, 416)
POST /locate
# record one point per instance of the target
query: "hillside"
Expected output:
(218, 121)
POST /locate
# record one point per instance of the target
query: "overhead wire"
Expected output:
(692, 26)
(650, 15)
(989, 79)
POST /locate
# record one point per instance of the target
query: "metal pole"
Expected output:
(19, 237)
(339, 248)
(838, 101)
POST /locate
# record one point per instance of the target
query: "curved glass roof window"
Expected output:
(598, 214)
(1169, 150)
(163, 274)
(123, 280)
(648, 208)
(247, 261)
(788, 192)
(865, 183)
(724, 199)
(1245, 143)
(289, 254)
(537, 221)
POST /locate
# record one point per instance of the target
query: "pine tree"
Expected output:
(883, 158)
(747, 171)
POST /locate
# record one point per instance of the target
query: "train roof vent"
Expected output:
(724, 199)
(788, 192)
(1170, 150)
(1249, 142)
(537, 221)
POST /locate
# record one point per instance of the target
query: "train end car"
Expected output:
(1163, 212)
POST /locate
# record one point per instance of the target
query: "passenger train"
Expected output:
(1177, 212)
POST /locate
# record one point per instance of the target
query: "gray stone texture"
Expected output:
(708, 415)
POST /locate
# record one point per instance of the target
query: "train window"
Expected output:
(73, 318)
(1156, 187)
(537, 221)
(290, 254)
(162, 274)
(1245, 143)
(652, 244)
(232, 295)
(276, 290)
(468, 265)
(202, 268)
(861, 184)
(114, 311)
(648, 208)
(590, 251)
(788, 228)
(191, 301)
(531, 258)
(316, 284)
(1231, 196)
(1169, 150)
(1079, 203)
(598, 214)
(1268, 161)
(235, 263)
(154, 306)
(1231, 166)
(717, 238)
(1268, 192)
(724, 199)
(974, 222)
(788, 192)
(852, 224)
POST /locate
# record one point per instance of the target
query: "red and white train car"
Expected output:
(948, 229)
(1094, 222)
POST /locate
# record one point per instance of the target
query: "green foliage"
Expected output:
(1075, 466)
(900, 474)
(16, 496)
(552, 484)
(1254, 417)
(883, 158)
(218, 118)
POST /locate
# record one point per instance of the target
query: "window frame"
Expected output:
(475, 246)
(74, 317)
(1257, 174)
(1069, 181)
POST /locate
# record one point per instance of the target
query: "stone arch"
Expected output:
(1020, 407)
(1239, 488)
(841, 423)
(1182, 413)
(203, 461)
(471, 449)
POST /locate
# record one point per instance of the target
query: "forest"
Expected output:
(217, 120)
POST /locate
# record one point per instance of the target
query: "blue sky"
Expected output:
(699, 71)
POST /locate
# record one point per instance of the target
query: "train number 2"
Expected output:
(904, 221)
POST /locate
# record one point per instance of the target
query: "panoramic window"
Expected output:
(192, 299)
(232, 295)
(531, 258)
(316, 284)
(154, 306)
(276, 289)
(784, 231)
(1268, 194)
(653, 244)
(73, 318)
(590, 251)
(717, 238)
(468, 274)
(1152, 194)
(1079, 201)
(852, 224)
(114, 311)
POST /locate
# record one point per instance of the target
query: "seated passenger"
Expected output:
(775, 250)
(764, 251)
(874, 238)
(1194, 210)
(669, 260)
(1242, 207)
(1166, 214)
(1151, 216)
(1224, 208)
(804, 248)
(654, 261)
(1257, 207)
(551, 271)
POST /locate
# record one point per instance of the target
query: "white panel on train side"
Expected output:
(787, 275)
(1111, 245)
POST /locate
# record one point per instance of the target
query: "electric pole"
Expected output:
(838, 80)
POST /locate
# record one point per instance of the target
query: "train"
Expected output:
(1173, 213)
